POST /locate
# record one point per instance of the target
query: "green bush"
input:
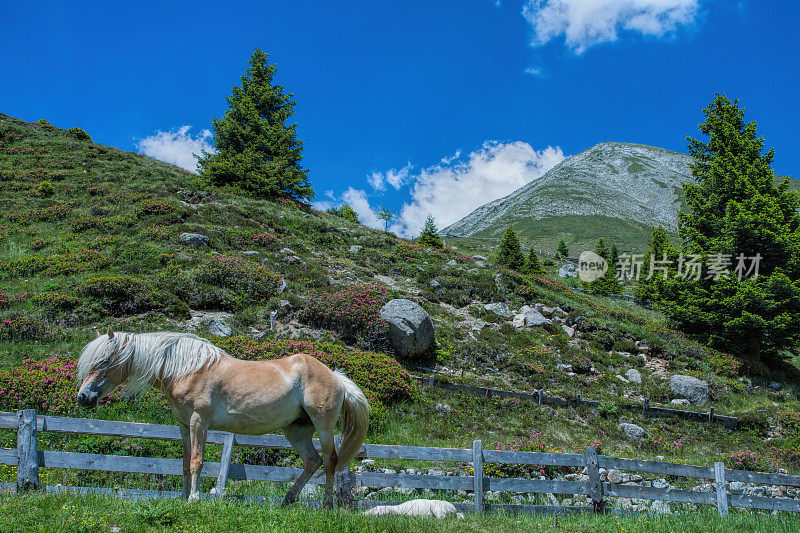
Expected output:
(353, 312)
(120, 295)
(624, 345)
(45, 188)
(79, 134)
(246, 278)
(53, 304)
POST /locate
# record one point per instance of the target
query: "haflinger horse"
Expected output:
(209, 389)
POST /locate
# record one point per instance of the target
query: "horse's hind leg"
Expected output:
(187, 456)
(299, 436)
(329, 459)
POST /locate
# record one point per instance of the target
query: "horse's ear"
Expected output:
(110, 333)
(97, 331)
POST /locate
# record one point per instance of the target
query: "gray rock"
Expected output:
(634, 376)
(633, 432)
(660, 484)
(546, 311)
(434, 284)
(660, 507)
(774, 385)
(410, 327)
(355, 249)
(614, 476)
(195, 239)
(442, 408)
(737, 487)
(480, 264)
(689, 387)
(565, 368)
(480, 258)
(218, 327)
(680, 401)
(568, 271)
(452, 263)
(532, 317)
(568, 330)
(500, 309)
(287, 251)
(251, 252)
(281, 287)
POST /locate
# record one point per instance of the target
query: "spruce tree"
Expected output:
(430, 234)
(256, 150)
(533, 266)
(510, 252)
(346, 212)
(608, 283)
(735, 207)
(651, 286)
(563, 251)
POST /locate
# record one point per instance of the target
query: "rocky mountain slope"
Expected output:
(618, 191)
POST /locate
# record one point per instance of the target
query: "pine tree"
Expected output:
(563, 251)
(510, 252)
(651, 287)
(608, 284)
(532, 266)
(256, 151)
(346, 212)
(734, 207)
(430, 234)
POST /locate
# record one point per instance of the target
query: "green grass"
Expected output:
(68, 513)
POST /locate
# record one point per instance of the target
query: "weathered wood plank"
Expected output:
(762, 478)
(533, 458)
(769, 504)
(538, 485)
(595, 486)
(382, 451)
(8, 456)
(477, 477)
(8, 420)
(224, 464)
(650, 493)
(719, 484)
(27, 450)
(656, 467)
(373, 479)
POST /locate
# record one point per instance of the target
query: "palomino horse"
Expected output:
(209, 389)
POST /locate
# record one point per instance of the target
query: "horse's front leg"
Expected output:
(187, 456)
(197, 432)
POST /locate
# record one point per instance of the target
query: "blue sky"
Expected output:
(422, 107)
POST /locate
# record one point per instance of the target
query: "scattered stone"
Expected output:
(251, 252)
(292, 259)
(287, 251)
(546, 311)
(774, 385)
(622, 379)
(410, 327)
(633, 432)
(214, 321)
(452, 263)
(500, 309)
(434, 284)
(660, 458)
(680, 401)
(565, 368)
(568, 271)
(568, 330)
(281, 286)
(195, 239)
(480, 264)
(660, 483)
(689, 387)
(634, 376)
(532, 317)
(355, 249)
(660, 507)
(614, 476)
(368, 462)
(737, 487)
(442, 408)
(480, 258)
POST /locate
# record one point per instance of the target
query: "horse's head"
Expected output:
(100, 369)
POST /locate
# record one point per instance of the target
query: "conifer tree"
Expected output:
(256, 150)
(510, 252)
(563, 251)
(346, 212)
(735, 207)
(430, 234)
(608, 283)
(533, 266)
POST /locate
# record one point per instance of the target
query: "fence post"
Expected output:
(430, 380)
(540, 396)
(345, 480)
(722, 494)
(645, 405)
(477, 464)
(27, 450)
(224, 464)
(711, 414)
(595, 486)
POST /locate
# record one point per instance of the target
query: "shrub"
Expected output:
(45, 188)
(264, 238)
(47, 386)
(768, 461)
(56, 212)
(380, 376)
(24, 328)
(55, 303)
(79, 134)
(624, 345)
(351, 311)
(120, 295)
(246, 278)
(725, 364)
(154, 206)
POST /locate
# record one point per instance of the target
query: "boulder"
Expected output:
(431, 508)
(774, 385)
(442, 408)
(568, 330)
(251, 253)
(634, 376)
(452, 263)
(568, 271)
(195, 239)
(410, 327)
(355, 249)
(500, 309)
(287, 251)
(614, 476)
(633, 432)
(689, 387)
(532, 317)
(679, 401)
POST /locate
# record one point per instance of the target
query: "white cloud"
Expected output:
(177, 147)
(451, 190)
(585, 23)
(394, 177)
(357, 199)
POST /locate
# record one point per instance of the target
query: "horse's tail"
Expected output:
(355, 419)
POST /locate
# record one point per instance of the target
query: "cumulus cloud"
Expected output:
(357, 199)
(394, 177)
(584, 23)
(177, 147)
(450, 191)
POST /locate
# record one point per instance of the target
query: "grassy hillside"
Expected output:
(89, 237)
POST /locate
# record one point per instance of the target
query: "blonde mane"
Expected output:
(149, 357)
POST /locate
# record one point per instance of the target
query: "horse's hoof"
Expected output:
(327, 503)
(194, 497)
(287, 501)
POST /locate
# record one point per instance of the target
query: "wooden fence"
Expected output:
(29, 459)
(542, 398)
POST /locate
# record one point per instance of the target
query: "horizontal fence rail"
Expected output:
(542, 398)
(591, 485)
